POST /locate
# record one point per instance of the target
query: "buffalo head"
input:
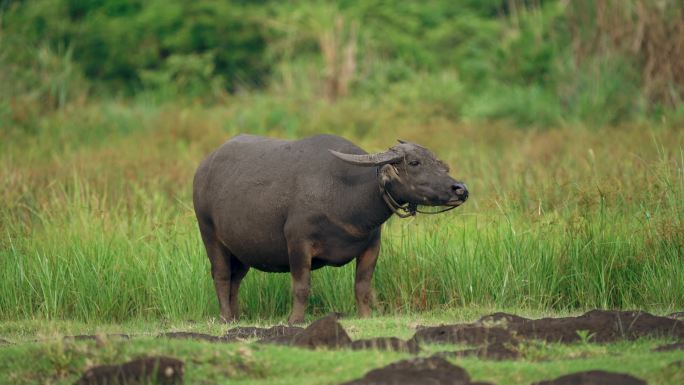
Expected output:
(412, 174)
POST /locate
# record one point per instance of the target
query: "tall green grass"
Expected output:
(564, 219)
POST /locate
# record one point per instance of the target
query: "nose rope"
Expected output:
(406, 210)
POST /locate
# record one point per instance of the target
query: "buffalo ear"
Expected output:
(402, 141)
(368, 160)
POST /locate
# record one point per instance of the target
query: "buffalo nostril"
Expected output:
(459, 189)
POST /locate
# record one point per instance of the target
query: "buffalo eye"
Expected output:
(414, 163)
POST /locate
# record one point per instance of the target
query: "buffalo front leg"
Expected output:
(363, 287)
(300, 255)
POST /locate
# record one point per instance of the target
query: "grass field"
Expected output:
(564, 118)
(99, 236)
(97, 220)
(55, 361)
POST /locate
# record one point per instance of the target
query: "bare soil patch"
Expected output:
(325, 332)
(677, 315)
(595, 325)
(250, 332)
(387, 343)
(160, 370)
(328, 333)
(432, 370)
(496, 351)
(470, 334)
(670, 347)
(239, 333)
(96, 337)
(192, 336)
(594, 377)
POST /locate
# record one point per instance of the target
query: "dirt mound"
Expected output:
(327, 333)
(431, 370)
(600, 326)
(387, 343)
(470, 334)
(594, 377)
(501, 318)
(249, 332)
(670, 347)
(596, 325)
(160, 370)
(239, 333)
(496, 351)
(192, 336)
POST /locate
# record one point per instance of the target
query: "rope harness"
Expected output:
(406, 210)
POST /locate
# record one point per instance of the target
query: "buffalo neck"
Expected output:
(368, 210)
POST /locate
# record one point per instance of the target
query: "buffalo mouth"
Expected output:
(455, 202)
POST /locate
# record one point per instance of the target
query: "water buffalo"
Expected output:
(296, 206)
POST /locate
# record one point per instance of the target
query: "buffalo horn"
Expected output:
(378, 159)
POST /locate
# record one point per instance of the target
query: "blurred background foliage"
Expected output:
(532, 62)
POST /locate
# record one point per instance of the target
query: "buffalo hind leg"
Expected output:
(300, 255)
(363, 287)
(238, 270)
(219, 257)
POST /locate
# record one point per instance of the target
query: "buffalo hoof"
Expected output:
(230, 319)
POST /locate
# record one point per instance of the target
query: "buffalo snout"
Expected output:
(460, 193)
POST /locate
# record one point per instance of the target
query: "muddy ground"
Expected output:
(497, 336)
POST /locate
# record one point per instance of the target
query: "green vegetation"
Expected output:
(99, 224)
(530, 62)
(565, 119)
(108, 106)
(62, 362)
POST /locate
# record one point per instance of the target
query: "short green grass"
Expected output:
(56, 361)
